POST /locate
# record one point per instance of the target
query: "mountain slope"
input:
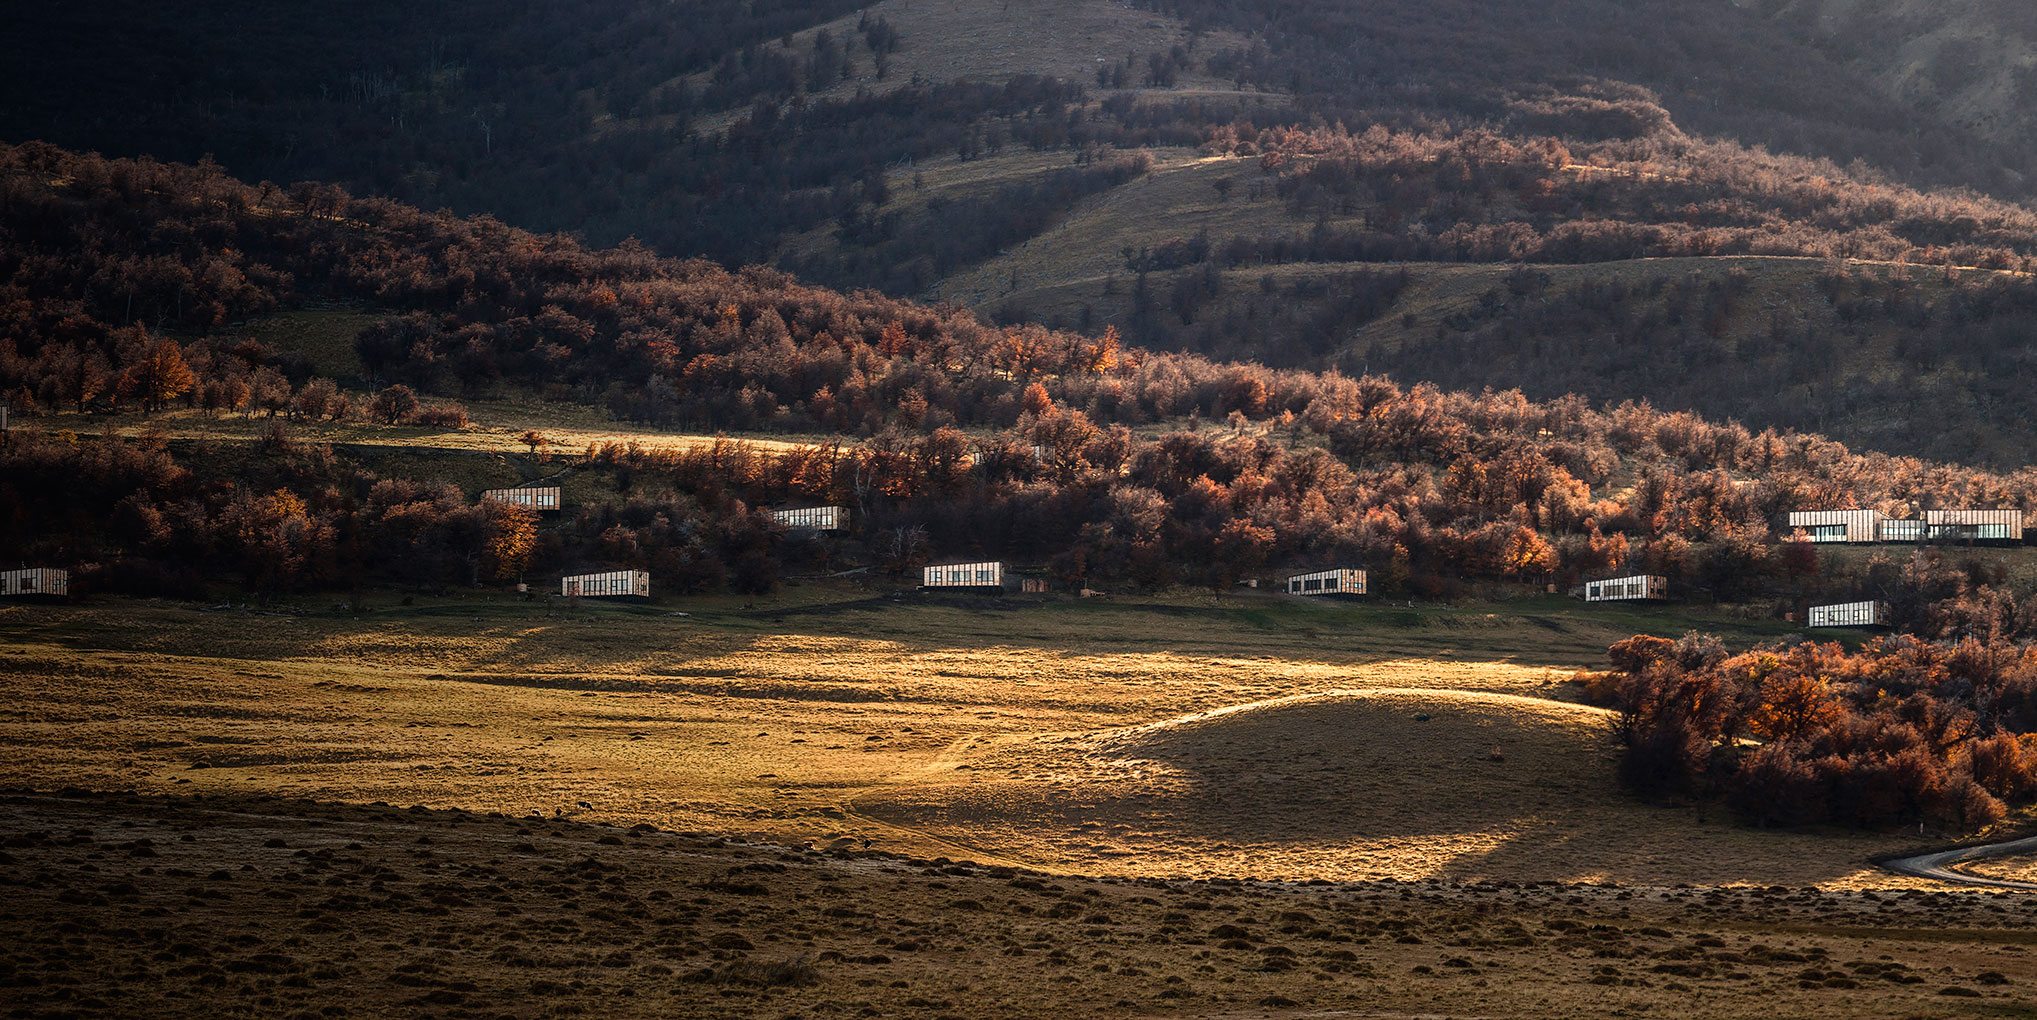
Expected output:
(1284, 182)
(1969, 62)
(724, 128)
(1722, 69)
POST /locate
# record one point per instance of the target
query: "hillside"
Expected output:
(1461, 783)
(1970, 62)
(1281, 183)
(713, 127)
(1885, 357)
(970, 509)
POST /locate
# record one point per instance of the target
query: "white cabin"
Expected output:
(1974, 525)
(1341, 581)
(1853, 526)
(48, 581)
(1899, 530)
(1637, 588)
(608, 584)
(542, 498)
(1849, 614)
(963, 575)
(813, 518)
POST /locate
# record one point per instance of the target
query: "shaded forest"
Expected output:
(589, 118)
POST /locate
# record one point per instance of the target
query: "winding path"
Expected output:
(1940, 865)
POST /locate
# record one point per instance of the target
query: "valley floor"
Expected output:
(266, 906)
(1257, 736)
(1252, 807)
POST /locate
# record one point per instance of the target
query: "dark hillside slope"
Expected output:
(1971, 62)
(507, 108)
(720, 128)
(1722, 70)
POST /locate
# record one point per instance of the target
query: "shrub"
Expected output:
(441, 415)
(1889, 735)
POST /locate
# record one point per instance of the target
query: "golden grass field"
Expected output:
(1143, 737)
(497, 428)
(844, 801)
(2019, 869)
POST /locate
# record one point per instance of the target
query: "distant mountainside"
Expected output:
(1722, 69)
(1972, 63)
(1718, 206)
(725, 127)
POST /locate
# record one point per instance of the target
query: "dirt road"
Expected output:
(1940, 865)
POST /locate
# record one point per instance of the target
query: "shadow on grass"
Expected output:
(1448, 783)
(550, 635)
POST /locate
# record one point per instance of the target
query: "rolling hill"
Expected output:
(1156, 303)
(1718, 199)
(1090, 456)
(1969, 62)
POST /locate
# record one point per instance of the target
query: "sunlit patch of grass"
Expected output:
(951, 727)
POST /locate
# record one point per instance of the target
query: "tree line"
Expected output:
(1480, 195)
(1901, 732)
(1724, 72)
(151, 518)
(1432, 492)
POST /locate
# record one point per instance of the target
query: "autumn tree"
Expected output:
(394, 405)
(1238, 548)
(158, 376)
(892, 340)
(1792, 704)
(279, 540)
(1102, 357)
(535, 441)
(510, 537)
(1035, 400)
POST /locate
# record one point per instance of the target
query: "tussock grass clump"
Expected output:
(797, 972)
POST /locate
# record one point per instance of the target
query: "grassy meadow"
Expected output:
(1175, 735)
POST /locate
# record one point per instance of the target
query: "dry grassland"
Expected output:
(1163, 737)
(498, 427)
(262, 906)
(1174, 200)
(2014, 869)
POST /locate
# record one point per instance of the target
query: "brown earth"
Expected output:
(255, 905)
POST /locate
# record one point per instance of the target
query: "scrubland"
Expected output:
(172, 906)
